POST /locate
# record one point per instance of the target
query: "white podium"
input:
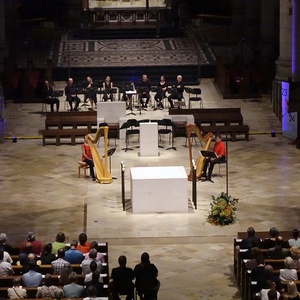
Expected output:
(159, 189)
(149, 139)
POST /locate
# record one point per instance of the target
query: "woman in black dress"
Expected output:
(107, 86)
(161, 92)
(90, 93)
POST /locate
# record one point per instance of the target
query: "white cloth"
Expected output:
(288, 274)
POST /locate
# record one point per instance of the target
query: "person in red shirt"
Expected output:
(220, 151)
(31, 245)
(87, 157)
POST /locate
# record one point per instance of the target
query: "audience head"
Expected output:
(3, 238)
(273, 232)
(73, 277)
(95, 276)
(268, 270)
(122, 261)
(295, 234)
(61, 253)
(32, 264)
(48, 248)
(58, 294)
(251, 232)
(60, 237)
(272, 294)
(145, 258)
(260, 260)
(73, 244)
(93, 253)
(30, 236)
(292, 289)
(288, 263)
(91, 291)
(279, 241)
(93, 266)
(82, 238)
(295, 252)
(16, 281)
(94, 245)
(48, 280)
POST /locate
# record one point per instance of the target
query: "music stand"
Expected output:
(110, 152)
(140, 92)
(125, 126)
(208, 154)
(130, 101)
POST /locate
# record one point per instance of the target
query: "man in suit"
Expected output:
(71, 94)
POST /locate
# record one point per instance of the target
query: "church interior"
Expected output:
(226, 49)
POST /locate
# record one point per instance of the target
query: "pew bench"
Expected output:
(232, 130)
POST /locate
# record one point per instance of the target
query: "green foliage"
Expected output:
(222, 210)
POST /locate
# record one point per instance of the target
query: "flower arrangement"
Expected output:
(222, 210)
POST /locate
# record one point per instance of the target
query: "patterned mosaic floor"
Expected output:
(132, 52)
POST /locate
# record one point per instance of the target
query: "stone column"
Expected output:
(284, 62)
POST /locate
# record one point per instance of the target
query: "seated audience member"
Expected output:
(278, 251)
(295, 255)
(270, 241)
(7, 257)
(3, 243)
(71, 94)
(59, 294)
(47, 257)
(48, 290)
(258, 274)
(292, 292)
(36, 246)
(73, 290)
(107, 86)
(93, 268)
(30, 258)
(146, 277)
(16, 292)
(95, 282)
(269, 272)
(5, 267)
(272, 295)
(100, 256)
(91, 293)
(85, 265)
(32, 278)
(288, 273)
(74, 256)
(251, 238)
(83, 245)
(59, 264)
(59, 242)
(263, 294)
(294, 240)
(64, 277)
(252, 262)
(177, 91)
(48, 96)
(122, 280)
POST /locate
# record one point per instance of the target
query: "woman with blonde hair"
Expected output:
(293, 293)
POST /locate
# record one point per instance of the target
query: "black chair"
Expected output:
(167, 128)
(196, 98)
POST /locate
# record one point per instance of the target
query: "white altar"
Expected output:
(149, 139)
(159, 189)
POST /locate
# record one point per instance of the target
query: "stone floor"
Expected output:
(40, 191)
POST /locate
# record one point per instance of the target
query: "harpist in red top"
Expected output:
(220, 150)
(87, 157)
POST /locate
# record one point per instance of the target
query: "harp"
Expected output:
(190, 129)
(101, 167)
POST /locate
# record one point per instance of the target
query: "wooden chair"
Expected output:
(82, 166)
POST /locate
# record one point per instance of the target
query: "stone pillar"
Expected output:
(284, 62)
(296, 40)
(3, 45)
